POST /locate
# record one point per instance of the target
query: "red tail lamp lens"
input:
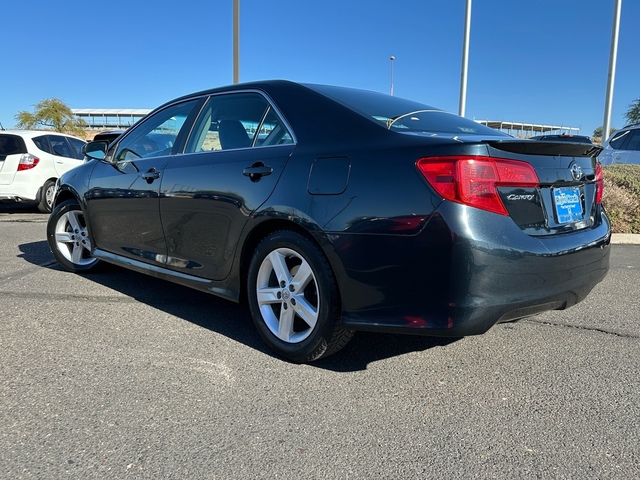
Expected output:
(474, 180)
(599, 183)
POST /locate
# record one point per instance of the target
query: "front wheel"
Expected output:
(68, 238)
(293, 298)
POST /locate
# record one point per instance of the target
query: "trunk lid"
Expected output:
(569, 191)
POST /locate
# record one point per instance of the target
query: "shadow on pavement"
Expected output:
(231, 319)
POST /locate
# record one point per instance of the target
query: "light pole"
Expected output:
(465, 61)
(613, 55)
(236, 41)
(392, 58)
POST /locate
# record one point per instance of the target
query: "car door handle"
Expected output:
(151, 175)
(256, 171)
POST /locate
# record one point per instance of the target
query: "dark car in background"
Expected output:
(563, 138)
(108, 136)
(331, 210)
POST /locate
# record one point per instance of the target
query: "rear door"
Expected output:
(231, 164)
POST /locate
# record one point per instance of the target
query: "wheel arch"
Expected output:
(65, 194)
(267, 227)
(40, 192)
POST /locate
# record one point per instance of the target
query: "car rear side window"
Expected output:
(238, 120)
(634, 141)
(43, 143)
(619, 139)
(11, 145)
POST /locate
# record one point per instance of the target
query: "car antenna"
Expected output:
(2, 126)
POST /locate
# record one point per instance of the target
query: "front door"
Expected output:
(123, 198)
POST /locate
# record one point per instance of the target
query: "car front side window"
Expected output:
(77, 147)
(155, 136)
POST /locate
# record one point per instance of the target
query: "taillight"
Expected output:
(599, 183)
(473, 180)
(27, 161)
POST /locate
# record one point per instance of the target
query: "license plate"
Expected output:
(568, 204)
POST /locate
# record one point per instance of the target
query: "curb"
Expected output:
(625, 239)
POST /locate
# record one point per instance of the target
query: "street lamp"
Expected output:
(392, 58)
(236, 41)
(465, 60)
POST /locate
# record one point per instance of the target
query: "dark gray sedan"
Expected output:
(331, 210)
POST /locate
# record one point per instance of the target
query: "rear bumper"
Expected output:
(494, 273)
(19, 191)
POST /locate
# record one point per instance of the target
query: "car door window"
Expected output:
(157, 135)
(76, 147)
(235, 121)
(634, 140)
(43, 143)
(60, 147)
(619, 139)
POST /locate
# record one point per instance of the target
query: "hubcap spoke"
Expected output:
(63, 237)
(76, 253)
(306, 311)
(72, 218)
(268, 295)
(285, 326)
(303, 276)
(279, 265)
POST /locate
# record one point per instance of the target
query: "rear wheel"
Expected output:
(46, 196)
(68, 238)
(293, 298)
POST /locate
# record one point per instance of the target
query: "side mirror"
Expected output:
(96, 150)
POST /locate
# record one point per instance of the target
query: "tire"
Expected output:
(68, 238)
(46, 196)
(293, 298)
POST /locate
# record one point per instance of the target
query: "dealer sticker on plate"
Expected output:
(568, 204)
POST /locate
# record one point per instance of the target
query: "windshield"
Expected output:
(402, 115)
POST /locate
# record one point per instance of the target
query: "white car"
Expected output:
(623, 146)
(31, 161)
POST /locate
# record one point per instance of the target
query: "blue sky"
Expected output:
(535, 61)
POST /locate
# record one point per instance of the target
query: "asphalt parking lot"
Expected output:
(120, 375)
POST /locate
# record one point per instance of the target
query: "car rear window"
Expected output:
(403, 115)
(11, 145)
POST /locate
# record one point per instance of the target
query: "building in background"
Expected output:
(110, 118)
(526, 130)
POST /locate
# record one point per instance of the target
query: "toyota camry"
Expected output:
(330, 210)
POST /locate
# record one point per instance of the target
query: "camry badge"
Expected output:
(576, 171)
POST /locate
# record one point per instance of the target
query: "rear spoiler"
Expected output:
(534, 147)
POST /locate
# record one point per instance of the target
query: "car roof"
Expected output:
(36, 133)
